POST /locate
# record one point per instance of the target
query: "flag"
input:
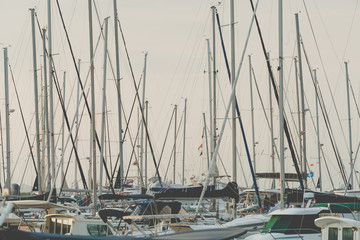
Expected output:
(200, 149)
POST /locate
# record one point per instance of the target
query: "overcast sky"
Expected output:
(174, 34)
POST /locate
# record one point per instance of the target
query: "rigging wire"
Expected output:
(323, 67)
(141, 108)
(327, 120)
(23, 120)
(85, 99)
(286, 128)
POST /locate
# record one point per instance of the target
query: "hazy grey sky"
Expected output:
(173, 33)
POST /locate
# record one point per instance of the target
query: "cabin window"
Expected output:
(333, 234)
(99, 230)
(347, 234)
(60, 226)
(292, 224)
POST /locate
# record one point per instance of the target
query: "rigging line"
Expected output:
(108, 139)
(166, 135)
(348, 37)
(312, 120)
(353, 94)
(24, 172)
(82, 88)
(173, 148)
(323, 67)
(286, 128)
(141, 108)
(132, 154)
(233, 95)
(326, 119)
(263, 107)
(102, 34)
(73, 121)
(68, 127)
(127, 120)
(327, 168)
(133, 144)
(72, 149)
(23, 120)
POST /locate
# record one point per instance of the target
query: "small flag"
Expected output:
(200, 149)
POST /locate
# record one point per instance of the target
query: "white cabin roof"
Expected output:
(298, 211)
(323, 222)
(38, 204)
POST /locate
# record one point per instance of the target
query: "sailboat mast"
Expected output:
(37, 133)
(210, 101)
(93, 146)
(46, 110)
(271, 130)
(175, 127)
(76, 186)
(183, 161)
(51, 92)
(233, 106)
(146, 145)
(298, 110)
(121, 167)
(103, 109)
(303, 132)
(281, 107)
(63, 133)
(318, 130)
(142, 126)
(252, 115)
(7, 120)
(351, 180)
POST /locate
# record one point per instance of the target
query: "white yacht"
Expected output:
(336, 228)
(292, 223)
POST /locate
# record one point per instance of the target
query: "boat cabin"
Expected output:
(65, 224)
(335, 228)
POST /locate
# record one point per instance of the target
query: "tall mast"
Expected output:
(210, 101)
(63, 133)
(76, 186)
(51, 102)
(214, 83)
(252, 114)
(146, 120)
(351, 180)
(37, 134)
(318, 129)
(46, 110)
(175, 126)
(183, 161)
(281, 107)
(121, 167)
(142, 126)
(303, 132)
(93, 155)
(298, 110)
(103, 109)
(271, 130)
(233, 106)
(7, 121)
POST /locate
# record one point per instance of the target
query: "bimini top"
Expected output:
(38, 204)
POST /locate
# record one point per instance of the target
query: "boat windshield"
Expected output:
(99, 230)
(292, 224)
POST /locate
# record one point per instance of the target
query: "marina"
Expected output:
(179, 119)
